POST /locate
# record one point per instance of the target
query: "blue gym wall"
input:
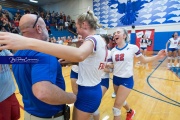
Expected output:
(160, 15)
(113, 13)
(160, 39)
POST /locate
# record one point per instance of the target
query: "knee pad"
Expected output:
(173, 58)
(116, 111)
(96, 112)
(124, 103)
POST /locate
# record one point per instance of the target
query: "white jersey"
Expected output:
(109, 60)
(123, 60)
(173, 43)
(74, 68)
(143, 43)
(89, 70)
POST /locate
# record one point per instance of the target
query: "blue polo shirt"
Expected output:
(28, 74)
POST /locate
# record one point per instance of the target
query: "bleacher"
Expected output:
(56, 33)
(13, 7)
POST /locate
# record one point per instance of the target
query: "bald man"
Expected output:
(42, 86)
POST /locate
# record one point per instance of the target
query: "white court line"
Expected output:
(106, 118)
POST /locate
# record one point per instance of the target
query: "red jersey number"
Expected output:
(119, 57)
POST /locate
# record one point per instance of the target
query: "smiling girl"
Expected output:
(122, 57)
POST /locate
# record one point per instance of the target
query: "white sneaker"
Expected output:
(113, 95)
(173, 65)
(177, 65)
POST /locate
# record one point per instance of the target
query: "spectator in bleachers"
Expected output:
(17, 15)
(60, 20)
(57, 17)
(65, 40)
(1, 22)
(36, 13)
(52, 41)
(69, 39)
(47, 21)
(68, 18)
(52, 16)
(18, 12)
(61, 24)
(72, 26)
(64, 17)
(16, 22)
(27, 11)
(66, 25)
(48, 15)
(7, 16)
(42, 15)
(61, 16)
(74, 39)
(6, 25)
(60, 41)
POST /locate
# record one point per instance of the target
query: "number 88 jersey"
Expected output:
(123, 59)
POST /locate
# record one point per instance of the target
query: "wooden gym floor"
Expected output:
(156, 93)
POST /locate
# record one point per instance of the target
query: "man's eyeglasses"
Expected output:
(36, 21)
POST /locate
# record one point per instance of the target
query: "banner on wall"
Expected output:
(150, 35)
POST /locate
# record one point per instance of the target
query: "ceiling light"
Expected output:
(34, 1)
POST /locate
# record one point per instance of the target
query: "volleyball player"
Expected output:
(172, 50)
(122, 57)
(143, 44)
(105, 75)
